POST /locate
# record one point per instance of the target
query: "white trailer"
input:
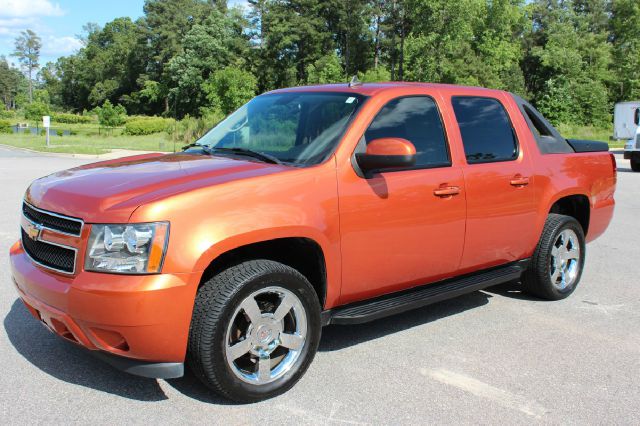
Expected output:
(626, 126)
(626, 118)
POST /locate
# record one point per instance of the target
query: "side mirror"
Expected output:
(387, 153)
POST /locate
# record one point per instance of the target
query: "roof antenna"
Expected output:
(355, 82)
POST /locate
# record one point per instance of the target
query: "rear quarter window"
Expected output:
(487, 133)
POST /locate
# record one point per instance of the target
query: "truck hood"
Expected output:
(110, 191)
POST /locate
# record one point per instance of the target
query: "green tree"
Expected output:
(111, 116)
(73, 88)
(574, 58)
(50, 79)
(216, 44)
(108, 67)
(625, 34)
(375, 75)
(27, 50)
(293, 35)
(229, 88)
(167, 23)
(349, 25)
(441, 46)
(327, 69)
(114, 59)
(498, 45)
(36, 110)
(11, 81)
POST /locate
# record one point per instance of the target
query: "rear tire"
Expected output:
(254, 331)
(557, 263)
(635, 163)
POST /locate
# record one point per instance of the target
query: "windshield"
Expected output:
(297, 128)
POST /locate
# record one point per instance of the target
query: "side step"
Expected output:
(418, 297)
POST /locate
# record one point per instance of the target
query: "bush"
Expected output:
(230, 88)
(375, 75)
(61, 117)
(148, 126)
(189, 129)
(60, 132)
(36, 110)
(5, 126)
(7, 114)
(111, 116)
(326, 70)
(139, 117)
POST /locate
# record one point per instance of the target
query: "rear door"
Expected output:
(501, 207)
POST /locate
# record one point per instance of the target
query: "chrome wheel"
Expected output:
(266, 335)
(565, 260)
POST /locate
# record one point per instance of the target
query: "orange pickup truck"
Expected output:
(308, 206)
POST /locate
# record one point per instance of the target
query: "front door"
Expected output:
(398, 228)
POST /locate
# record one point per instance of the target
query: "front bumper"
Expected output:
(138, 323)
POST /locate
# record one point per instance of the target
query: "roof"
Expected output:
(370, 89)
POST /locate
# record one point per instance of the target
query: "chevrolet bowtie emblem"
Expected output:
(33, 231)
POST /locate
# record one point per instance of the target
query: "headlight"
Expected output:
(127, 249)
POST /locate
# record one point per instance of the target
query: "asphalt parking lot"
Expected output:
(495, 356)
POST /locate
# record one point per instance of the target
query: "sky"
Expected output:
(58, 22)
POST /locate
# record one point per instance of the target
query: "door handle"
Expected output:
(446, 191)
(519, 180)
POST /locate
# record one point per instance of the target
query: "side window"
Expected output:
(538, 126)
(486, 130)
(636, 117)
(415, 118)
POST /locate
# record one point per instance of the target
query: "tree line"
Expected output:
(572, 58)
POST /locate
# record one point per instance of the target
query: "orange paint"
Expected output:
(391, 146)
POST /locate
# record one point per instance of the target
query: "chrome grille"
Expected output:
(50, 239)
(52, 256)
(53, 221)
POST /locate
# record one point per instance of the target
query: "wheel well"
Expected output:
(576, 206)
(302, 254)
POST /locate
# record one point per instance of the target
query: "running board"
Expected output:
(418, 297)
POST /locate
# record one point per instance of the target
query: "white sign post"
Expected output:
(46, 123)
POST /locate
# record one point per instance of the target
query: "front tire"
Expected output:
(635, 163)
(557, 263)
(254, 331)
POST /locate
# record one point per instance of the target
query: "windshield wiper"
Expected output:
(205, 148)
(249, 153)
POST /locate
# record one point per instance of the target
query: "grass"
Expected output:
(89, 144)
(590, 133)
(87, 138)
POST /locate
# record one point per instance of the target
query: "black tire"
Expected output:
(635, 163)
(536, 280)
(215, 305)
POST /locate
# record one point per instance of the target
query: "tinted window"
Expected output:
(487, 134)
(416, 119)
